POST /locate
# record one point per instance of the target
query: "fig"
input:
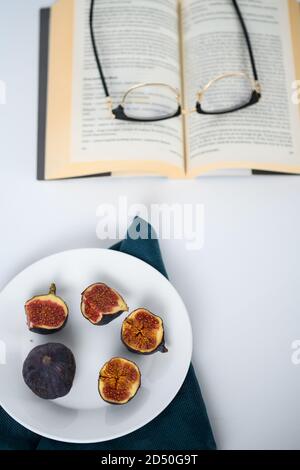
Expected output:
(46, 313)
(101, 304)
(143, 332)
(119, 381)
(49, 370)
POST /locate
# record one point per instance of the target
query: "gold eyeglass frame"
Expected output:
(255, 86)
(119, 112)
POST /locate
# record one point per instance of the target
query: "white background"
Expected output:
(242, 289)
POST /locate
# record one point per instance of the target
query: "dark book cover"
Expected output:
(43, 86)
(45, 18)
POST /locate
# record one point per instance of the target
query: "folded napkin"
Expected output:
(183, 425)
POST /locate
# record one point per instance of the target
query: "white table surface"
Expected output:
(242, 288)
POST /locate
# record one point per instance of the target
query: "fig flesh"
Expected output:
(49, 370)
(143, 332)
(46, 313)
(119, 381)
(101, 304)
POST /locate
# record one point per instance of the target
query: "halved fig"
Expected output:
(143, 332)
(46, 313)
(101, 304)
(119, 381)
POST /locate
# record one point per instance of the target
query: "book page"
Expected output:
(138, 42)
(264, 135)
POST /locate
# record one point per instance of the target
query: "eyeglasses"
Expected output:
(150, 102)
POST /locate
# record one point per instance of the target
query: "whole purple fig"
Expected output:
(49, 370)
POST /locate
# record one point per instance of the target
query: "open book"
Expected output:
(184, 44)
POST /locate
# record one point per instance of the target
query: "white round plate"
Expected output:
(82, 416)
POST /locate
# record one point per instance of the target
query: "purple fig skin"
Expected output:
(46, 331)
(106, 318)
(49, 370)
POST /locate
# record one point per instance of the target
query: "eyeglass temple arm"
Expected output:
(96, 55)
(95, 51)
(246, 34)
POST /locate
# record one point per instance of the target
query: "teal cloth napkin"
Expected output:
(183, 425)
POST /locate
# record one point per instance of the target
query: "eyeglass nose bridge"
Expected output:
(152, 84)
